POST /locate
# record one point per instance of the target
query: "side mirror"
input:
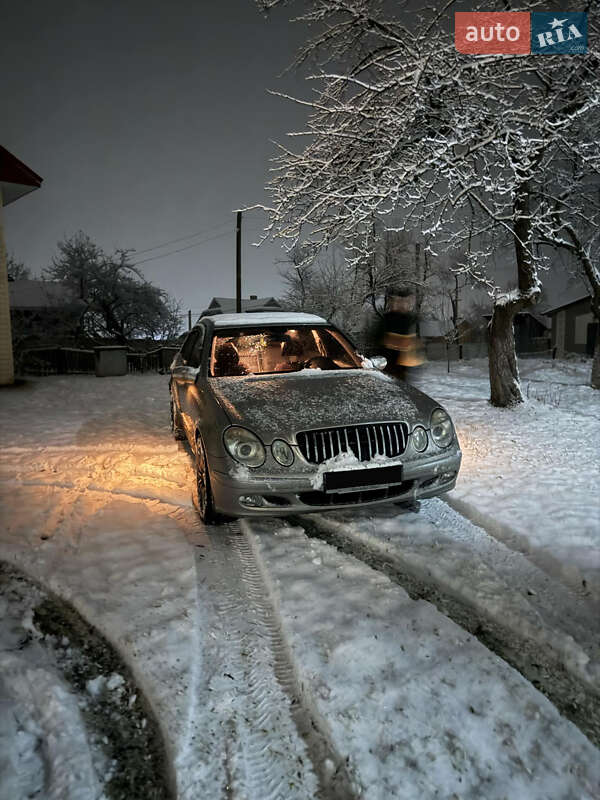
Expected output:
(379, 362)
(186, 374)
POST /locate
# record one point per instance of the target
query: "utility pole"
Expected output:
(238, 262)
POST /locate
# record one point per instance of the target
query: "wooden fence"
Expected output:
(73, 361)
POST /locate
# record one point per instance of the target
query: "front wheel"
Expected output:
(203, 499)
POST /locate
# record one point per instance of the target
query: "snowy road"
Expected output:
(549, 634)
(278, 665)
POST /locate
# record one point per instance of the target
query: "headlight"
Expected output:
(282, 452)
(441, 428)
(244, 446)
(419, 439)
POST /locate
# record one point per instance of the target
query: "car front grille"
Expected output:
(364, 441)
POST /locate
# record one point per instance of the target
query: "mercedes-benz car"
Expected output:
(284, 416)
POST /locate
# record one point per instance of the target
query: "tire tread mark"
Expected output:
(573, 699)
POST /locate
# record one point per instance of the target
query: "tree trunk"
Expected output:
(595, 381)
(593, 275)
(505, 389)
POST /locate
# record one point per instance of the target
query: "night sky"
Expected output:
(148, 122)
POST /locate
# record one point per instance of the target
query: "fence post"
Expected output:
(61, 361)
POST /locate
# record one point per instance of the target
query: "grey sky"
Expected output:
(148, 121)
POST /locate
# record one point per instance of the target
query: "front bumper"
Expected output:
(278, 496)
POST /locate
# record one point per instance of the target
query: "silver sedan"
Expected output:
(285, 417)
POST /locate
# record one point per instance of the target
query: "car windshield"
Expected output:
(260, 351)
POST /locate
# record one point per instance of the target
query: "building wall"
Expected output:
(575, 313)
(570, 328)
(6, 353)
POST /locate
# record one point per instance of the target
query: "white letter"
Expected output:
(499, 29)
(471, 35)
(545, 38)
(488, 38)
(573, 30)
(515, 35)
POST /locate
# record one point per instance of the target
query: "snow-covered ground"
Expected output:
(228, 634)
(531, 475)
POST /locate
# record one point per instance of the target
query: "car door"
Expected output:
(194, 395)
(184, 373)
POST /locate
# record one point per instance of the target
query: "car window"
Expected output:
(191, 351)
(259, 351)
(196, 349)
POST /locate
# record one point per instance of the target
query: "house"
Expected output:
(43, 312)
(227, 305)
(532, 332)
(16, 180)
(574, 329)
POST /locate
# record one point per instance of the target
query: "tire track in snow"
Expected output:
(575, 700)
(265, 742)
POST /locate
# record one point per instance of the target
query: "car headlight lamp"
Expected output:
(419, 439)
(244, 446)
(282, 453)
(442, 431)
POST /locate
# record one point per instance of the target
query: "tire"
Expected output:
(203, 498)
(176, 429)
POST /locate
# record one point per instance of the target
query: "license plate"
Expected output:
(362, 478)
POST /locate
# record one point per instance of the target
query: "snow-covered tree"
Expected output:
(326, 286)
(462, 146)
(17, 271)
(572, 223)
(118, 302)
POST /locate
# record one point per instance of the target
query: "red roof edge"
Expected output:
(14, 171)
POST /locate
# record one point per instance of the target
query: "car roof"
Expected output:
(258, 318)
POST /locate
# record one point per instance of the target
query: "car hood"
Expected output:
(280, 405)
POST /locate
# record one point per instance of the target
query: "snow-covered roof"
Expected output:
(32, 294)
(266, 318)
(577, 299)
(538, 316)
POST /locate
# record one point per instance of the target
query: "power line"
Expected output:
(184, 238)
(181, 249)
(254, 228)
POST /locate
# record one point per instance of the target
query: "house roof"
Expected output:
(16, 178)
(27, 295)
(583, 296)
(537, 315)
(227, 305)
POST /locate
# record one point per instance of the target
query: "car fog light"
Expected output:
(419, 439)
(447, 476)
(251, 500)
(282, 452)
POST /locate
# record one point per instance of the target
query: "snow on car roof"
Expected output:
(266, 318)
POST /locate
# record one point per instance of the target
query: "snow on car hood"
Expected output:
(280, 405)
